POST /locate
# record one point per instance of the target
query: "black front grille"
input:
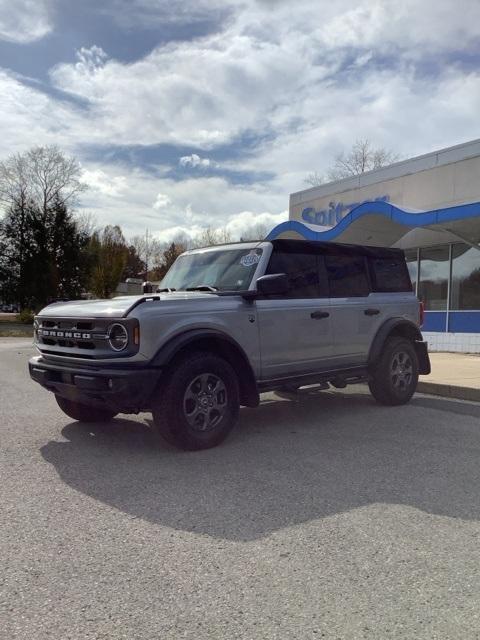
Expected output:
(72, 334)
(66, 325)
(85, 338)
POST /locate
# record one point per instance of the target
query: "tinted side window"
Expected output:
(301, 270)
(347, 275)
(390, 274)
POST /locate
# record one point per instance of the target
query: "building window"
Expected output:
(434, 275)
(412, 264)
(465, 287)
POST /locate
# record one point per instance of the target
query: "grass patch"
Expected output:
(27, 332)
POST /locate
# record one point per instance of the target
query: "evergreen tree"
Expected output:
(17, 247)
(109, 253)
(135, 266)
(43, 255)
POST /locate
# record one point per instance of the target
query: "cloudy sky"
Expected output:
(193, 113)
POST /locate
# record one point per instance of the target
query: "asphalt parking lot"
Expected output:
(333, 518)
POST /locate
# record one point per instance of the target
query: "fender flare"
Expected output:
(247, 382)
(400, 327)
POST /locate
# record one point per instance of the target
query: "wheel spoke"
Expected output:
(203, 382)
(213, 417)
(212, 384)
(190, 395)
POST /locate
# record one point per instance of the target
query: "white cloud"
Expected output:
(103, 183)
(267, 69)
(314, 78)
(185, 206)
(29, 116)
(161, 201)
(90, 59)
(24, 21)
(194, 161)
(245, 221)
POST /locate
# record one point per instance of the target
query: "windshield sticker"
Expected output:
(250, 259)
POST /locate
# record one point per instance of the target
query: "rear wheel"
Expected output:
(83, 412)
(197, 405)
(395, 377)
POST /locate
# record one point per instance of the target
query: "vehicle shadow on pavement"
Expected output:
(286, 463)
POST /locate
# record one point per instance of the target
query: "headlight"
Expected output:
(117, 337)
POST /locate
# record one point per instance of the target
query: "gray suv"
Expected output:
(228, 323)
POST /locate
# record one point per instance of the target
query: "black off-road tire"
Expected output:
(177, 402)
(82, 412)
(395, 377)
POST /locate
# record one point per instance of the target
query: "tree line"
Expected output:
(48, 252)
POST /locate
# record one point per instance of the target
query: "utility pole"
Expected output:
(147, 253)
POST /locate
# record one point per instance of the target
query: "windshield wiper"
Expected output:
(165, 290)
(202, 287)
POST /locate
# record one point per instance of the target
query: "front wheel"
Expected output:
(197, 405)
(395, 377)
(83, 412)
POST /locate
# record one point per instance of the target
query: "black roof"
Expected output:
(331, 248)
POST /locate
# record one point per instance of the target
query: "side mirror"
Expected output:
(274, 284)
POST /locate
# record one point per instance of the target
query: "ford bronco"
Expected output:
(229, 322)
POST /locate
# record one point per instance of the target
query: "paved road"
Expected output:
(330, 519)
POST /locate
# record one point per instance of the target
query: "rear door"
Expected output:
(356, 314)
(296, 328)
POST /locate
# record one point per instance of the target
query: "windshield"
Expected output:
(229, 270)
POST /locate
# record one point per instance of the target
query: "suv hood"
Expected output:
(113, 308)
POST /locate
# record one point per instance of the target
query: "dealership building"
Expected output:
(430, 207)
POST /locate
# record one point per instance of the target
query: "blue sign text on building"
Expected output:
(335, 212)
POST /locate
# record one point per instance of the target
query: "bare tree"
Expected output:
(315, 179)
(210, 236)
(362, 157)
(53, 176)
(86, 223)
(148, 249)
(41, 175)
(257, 232)
(15, 189)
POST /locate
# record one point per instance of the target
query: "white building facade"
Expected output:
(430, 207)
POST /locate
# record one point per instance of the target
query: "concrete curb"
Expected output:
(449, 391)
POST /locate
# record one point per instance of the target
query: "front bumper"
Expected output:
(124, 390)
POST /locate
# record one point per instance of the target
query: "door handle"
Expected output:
(318, 315)
(371, 312)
